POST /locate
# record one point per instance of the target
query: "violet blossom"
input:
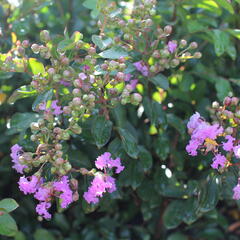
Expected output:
(236, 190)
(172, 46)
(42, 209)
(141, 67)
(218, 160)
(29, 184)
(16, 152)
(228, 146)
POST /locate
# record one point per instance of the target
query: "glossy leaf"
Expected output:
(129, 143)
(101, 130)
(8, 204)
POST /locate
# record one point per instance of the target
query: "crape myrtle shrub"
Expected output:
(94, 114)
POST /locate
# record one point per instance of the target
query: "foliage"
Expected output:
(162, 193)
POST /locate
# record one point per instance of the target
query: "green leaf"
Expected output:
(160, 81)
(177, 236)
(132, 175)
(66, 44)
(177, 123)
(92, 4)
(41, 234)
(231, 51)
(129, 143)
(145, 159)
(162, 146)
(20, 122)
(114, 53)
(173, 214)
(234, 32)
(100, 42)
(19, 236)
(101, 130)
(8, 226)
(22, 92)
(221, 41)
(8, 204)
(223, 88)
(35, 66)
(225, 4)
(209, 193)
(43, 97)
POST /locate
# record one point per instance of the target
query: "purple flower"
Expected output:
(42, 208)
(86, 68)
(194, 121)
(127, 77)
(172, 46)
(218, 160)
(82, 76)
(236, 150)
(141, 68)
(54, 108)
(99, 185)
(16, 151)
(43, 193)
(66, 195)
(228, 146)
(133, 83)
(200, 131)
(65, 83)
(105, 161)
(236, 191)
(28, 184)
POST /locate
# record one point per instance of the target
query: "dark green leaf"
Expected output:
(41, 234)
(129, 143)
(114, 53)
(21, 121)
(173, 214)
(160, 81)
(101, 130)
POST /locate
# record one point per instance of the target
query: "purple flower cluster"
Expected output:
(204, 135)
(141, 67)
(16, 152)
(201, 131)
(102, 182)
(54, 108)
(44, 193)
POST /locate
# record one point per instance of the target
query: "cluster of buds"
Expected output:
(220, 138)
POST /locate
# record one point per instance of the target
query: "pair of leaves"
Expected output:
(8, 226)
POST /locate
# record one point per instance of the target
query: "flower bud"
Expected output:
(25, 43)
(215, 105)
(45, 36)
(34, 126)
(168, 29)
(193, 45)
(67, 166)
(76, 101)
(227, 101)
(58, 146)
(136, 98)
(66, 110)
(183, 43)
(234, 101)
(51, 71)
(35, 48)
(59, 161)
(229, 131)
(156, 54)
(197, 55)
(64, 60)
